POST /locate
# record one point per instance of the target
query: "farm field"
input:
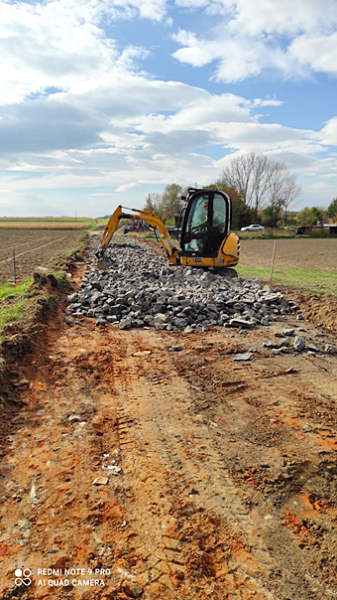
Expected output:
(33, 247)
(320, 254)
(45, 223)
(304, 264)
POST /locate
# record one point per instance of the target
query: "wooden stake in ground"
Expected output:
(272, 261)
(14, 265)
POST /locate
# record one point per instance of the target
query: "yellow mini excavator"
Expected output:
(206, 239)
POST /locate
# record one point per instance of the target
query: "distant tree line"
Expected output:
(261, 189)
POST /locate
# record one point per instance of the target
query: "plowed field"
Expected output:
(320, 254)
(33, 248)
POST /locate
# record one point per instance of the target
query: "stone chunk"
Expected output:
(299, 344)
(125, 323)
(328, 349)
(133, 590)
(241, 323)
(243, 357)
(100, 481)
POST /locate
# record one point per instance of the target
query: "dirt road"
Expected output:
(217, 479)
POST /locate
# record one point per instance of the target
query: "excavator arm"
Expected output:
(150, 218)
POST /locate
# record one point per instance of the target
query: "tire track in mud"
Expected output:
(181, 494)
(188, 475)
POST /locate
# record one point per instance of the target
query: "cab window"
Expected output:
(219, 216)
(198, 216)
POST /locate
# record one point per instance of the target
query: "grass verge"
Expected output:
(8, 290)
(314, 281)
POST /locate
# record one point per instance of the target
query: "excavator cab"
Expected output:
(206, 222)
(205, 228)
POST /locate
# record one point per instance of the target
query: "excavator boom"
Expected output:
(140, 215)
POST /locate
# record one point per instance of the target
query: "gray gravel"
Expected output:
(139, 288)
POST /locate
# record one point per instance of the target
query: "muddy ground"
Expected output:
(33, 248)
(216, 479)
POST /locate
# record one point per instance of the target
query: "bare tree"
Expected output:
(249, 174)
(282, 188)
(239, 175)
(260, 180)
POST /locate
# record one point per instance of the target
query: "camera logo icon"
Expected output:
(23, 577)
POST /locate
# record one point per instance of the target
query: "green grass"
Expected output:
(314, 281)
(9, 289)
(13, 312)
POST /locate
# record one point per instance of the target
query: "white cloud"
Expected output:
(319, 185)
(78, 113)
(293, 38)
(126, 187)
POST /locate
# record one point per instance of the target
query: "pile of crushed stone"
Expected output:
(139, 288)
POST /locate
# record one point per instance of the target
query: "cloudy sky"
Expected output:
(103, 101)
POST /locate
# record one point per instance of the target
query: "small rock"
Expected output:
(74, 418)
(288, 332)
(68, 320)
(299, 343)
(285, 342)
(241, 323)
(100, 321)
(328, 349)
(242, 357)
(269, 344)
(300, 317)
(175, 349)
(100, 481)
(111, 318)
(276, 352)
(133, 590)
(188, 329)
(142, 353)
(312, 348)
(114, 469)
(21, 383)
(125, 323)
(72, 298)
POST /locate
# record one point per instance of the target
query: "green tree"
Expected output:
(271, 215)
(332, 210)
(310, 216)
(152, 203)
(170, 201)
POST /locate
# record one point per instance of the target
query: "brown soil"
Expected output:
(225, 486)
(295, 253)
(321, 310)
(33, 248)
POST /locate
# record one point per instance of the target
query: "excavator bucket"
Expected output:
(110, 229)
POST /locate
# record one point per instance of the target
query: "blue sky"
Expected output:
(103, 101)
